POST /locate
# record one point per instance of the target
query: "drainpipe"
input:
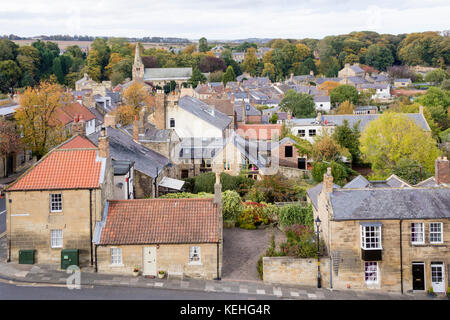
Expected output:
(90, 223)
(331, 273)
(96, 267)
(401, 258)
(218, 254)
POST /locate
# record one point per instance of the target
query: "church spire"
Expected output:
(138, 66)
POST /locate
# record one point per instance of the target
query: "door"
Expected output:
(437, 277)
(301, 163)
(418, 273)
(149, 261)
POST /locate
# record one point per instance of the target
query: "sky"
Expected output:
(221, 19)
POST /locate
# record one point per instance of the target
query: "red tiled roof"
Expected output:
(67, 113)
(78, 142)
(62, 169)
(150, 221)
(259, 131)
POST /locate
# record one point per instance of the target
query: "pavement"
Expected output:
(47, 275)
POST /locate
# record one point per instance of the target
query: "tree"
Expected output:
(9, 140)
(325, 148)
(196, 77)
(37, 117)
(231, 205)
(269, 71)
(338, 171)
(136, 95)
(274, 118)
(437, 101)
(250, 61)
(445, 85)
(102, 54)
(394, 136)
(346, 107)
(379, 57)
(343, 93)
(9, 75)
(300, 104)
(410, 171)
(203, 45)
(329, 66)
(349, 138)
(216, 76)
(228, 76)
(436, 76)
(8, 50)
(211, 64)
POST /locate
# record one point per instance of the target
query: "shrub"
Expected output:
(252, 215)
(338, 171)
(231, 205)
(270, 252)
(205, 182)
(296, 214)
(270, 211)
(274, 188)
(300, 242)
(182, 195)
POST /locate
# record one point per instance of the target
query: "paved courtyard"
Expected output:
(242, 249)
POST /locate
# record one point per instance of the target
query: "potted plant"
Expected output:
(430, 292)
(136, 271)
(161, 274)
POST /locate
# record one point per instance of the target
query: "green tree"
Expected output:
(436, 76)
(344, 93)
(445, 85)
(274, 118)
(300, 104)
(9, 75)
(250, 61)
(231, 205)
(196, 78)
(325, 148)
(437, 101)
(394, 136)
(58, 70)
(8, 50)
(329, 66)
(338, 171)
(229, 75)
(379, 57)
(203, 45)
(410, 171)
(349, 138)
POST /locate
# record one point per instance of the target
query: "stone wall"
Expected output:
(293, 173)
(167, 255)
(295, 271)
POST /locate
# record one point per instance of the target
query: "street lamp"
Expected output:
(319, 280)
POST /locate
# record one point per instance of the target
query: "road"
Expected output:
(2, 215)
(44, 292)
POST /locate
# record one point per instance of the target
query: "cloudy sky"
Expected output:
(221, 19)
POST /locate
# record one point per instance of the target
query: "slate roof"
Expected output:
(321, 99)
(204, 112)
(223, 105)
(358, 182)
(356, 68)
(313, 193)
(249, 110)
(167, 73)
(160, 221)
(151, 133)
(8, 110)
(123, 147)
(122, 167)
(322, 80)
(63, 168)
(380, 204)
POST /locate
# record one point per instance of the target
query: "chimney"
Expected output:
(110, 120)
(78, 126)
(319, 117)
(311, 73)
(292, 77)
(103, 144)
(244, 116)
(159, 115)
(327, 181)
(442, 170)
(217, 201)
(421, 110)
(218, 191)
(136, 128)
(142, 121)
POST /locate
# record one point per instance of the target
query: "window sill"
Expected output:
(195, 264)
(116, 265)
(56, 248)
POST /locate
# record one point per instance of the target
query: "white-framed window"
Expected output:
(436, 232)
(371, 272)
(226, 166)
(56, 202)
(116, 256)
(56, 238)
(312, 132)
(194, 255)
(417, 233)
(371, 237)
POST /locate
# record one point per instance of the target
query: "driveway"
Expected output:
(242, 249)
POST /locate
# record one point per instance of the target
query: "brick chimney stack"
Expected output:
(110, 120)
(442, 170)
(78, 126)
(327, 181)
(136, 128)
(217, 201)
(103, 144)
(159, 116)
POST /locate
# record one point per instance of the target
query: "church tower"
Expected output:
(138, 66)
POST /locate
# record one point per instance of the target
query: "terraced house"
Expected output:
(386, 235)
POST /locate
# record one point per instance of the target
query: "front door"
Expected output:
(437, 277)
(418, 273)
(149, 261)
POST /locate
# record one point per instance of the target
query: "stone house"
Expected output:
(401, 83)
(353, 70)
(55, 204)
(385, 235)
(182, 237)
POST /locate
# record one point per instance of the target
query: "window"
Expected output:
(194, 255)
(371, 272)
(56, 238)
(312, 132)
(417, 233)
(116, 256)
(288, 151)
(56, 202)
(371, 237)
(172, 122)
(301, 133)
(436, 232)
(226, 166)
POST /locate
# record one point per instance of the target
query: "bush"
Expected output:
(338, 171)
(296, 214)
(270, 211)
(274, 188)
(300, 242)
(270, 252)
(205, 182)
(252, 215)
(232, 207)
(183, 195)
